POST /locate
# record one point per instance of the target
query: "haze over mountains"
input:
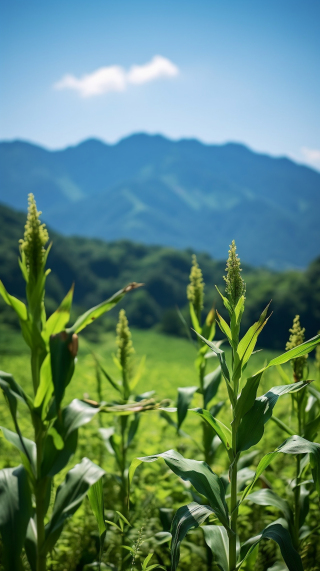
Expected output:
(178, 193)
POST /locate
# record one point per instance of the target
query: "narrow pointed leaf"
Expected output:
(95, 312)
(221, 429)
(194, 319)
(18, 306)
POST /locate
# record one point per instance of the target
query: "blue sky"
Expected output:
(229, 70)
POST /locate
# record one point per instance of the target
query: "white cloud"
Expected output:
(311, 156)
(116, 78)
(157, 68)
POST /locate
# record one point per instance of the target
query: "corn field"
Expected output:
(235, 481)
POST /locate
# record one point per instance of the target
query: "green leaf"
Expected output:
(194, 319)
(59, 319)
(211, 384)
(14, 393)
(30, 544)
(72, 417)
(95, 312)
(106, 435)
(133, 427)
(226, 302)
(199, 474)
(15, 513)
(107, 376)
(224, 327)
(236, 320)
(249, 340)
(95, 495)
(18, 306)
(69, 497)
(221, 429)
(185, 395)
(282, 537)
(265, 497)
(62, 364)
(298, 351)
(185, 518)
(27, 447)
(293, 445)
(251, 427)
(217, 540)
(223, 364)
(282, 425)
(139, 372)
(45, 388)
(311, 429)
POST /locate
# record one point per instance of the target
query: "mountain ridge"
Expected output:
(181, 193)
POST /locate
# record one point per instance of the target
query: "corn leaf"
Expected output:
(265, 497)
(95, 495)
(186, 517)
(199, 474)
(211, 384)
(282, 537)
(75, 415)
(95, 312)
(62, 364)
(69, 497)
(59, 319)
(18, 306)
(217, 540)
(15, 513)
(293, 445)
(221, 429)
(185, 395)
(251, 427)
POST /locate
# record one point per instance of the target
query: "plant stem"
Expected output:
(297, 488)
(234, 483)
(233, 507)
(40, 496)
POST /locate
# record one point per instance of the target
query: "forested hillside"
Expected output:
(181, 194)
(99, 269)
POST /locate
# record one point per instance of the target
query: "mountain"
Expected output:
(183, 194)
(99, 269)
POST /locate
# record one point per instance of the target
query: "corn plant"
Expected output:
(306, 405)
(208, 384)
(119, 437)
(25, 491)
(249, 416)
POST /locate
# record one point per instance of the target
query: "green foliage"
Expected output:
(249, 416)
(53, 351)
